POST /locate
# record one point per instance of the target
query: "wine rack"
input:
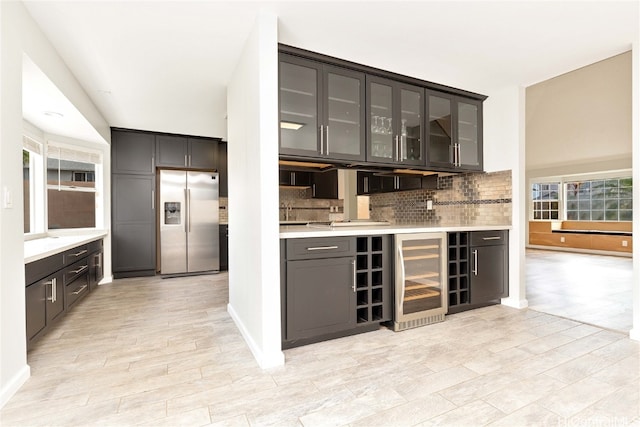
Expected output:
(458, 271)
(373, 299)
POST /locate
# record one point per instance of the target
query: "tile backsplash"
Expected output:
(464, 199)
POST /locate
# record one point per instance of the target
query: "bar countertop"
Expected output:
(317, 230)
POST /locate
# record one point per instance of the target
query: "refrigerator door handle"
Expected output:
(189, 210)
(186, 210)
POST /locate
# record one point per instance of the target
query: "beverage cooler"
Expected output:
(420, 280)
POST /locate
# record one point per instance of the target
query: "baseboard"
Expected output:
(515, 303)
(14, 385)
(264, 360)
(580, 251)
(105, 280)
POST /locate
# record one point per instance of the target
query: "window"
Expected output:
(71, 187)
(33, 185)
(545, 200)
(599, 200)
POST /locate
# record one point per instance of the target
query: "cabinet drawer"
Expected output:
(36, 270)
(75, 254)
(75, 270)
(325, 247)
(95, 246)
(76, 289)
(486, 238)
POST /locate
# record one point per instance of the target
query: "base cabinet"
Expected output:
(56, 283)
(334, 286)
(478, 269)
(224, 247)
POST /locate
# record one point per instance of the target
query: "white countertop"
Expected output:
(297, 231)
(46, 246)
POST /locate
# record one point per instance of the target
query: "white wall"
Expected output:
(635, 143)
(19, 34)
(254, 255)
(504, 146)
(580, 122)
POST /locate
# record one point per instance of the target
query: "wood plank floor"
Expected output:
(148, 351)
(595, 289)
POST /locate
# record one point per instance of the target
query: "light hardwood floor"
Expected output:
(148, 351)
(595, 289)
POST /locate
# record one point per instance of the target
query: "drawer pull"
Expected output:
(322, 248)
(84, 267)
(492, 238)
(76, 292)
(84, 251)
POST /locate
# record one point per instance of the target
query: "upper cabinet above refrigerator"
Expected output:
(321, 110)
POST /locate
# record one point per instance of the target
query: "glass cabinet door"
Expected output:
(440, 130)
(468, 135)
(298, 107)
(381, 126)
(422, 281)
(343, 134)
(410, 146)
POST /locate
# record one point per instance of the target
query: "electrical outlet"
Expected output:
(429, 205)
(625, 243)
(7, 198)
(561, 239)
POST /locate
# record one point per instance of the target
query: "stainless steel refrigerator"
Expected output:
(189, 240)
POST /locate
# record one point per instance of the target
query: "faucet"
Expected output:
(287, 208)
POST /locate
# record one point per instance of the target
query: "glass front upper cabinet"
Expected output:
(454, 132)
(321, 112)
(395, 130)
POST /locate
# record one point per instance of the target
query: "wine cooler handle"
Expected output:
(353, 264)
(475, 262)
(400, 298)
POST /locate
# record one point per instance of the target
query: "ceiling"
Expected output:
(164, 65)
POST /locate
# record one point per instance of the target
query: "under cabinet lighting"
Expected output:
(290, 125)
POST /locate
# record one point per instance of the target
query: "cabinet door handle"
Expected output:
(475, 262)
(313, 190)
(322, 139)
(459, 161)
(397, 149)
(153, 200)
(54, 290)
(492, 238)
(322, 248)
(327, 140)
(185, 160)
(84, 267)
(353, 264)
(76, 292)
(366, 185)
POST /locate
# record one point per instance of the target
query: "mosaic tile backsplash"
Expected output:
(465, 199)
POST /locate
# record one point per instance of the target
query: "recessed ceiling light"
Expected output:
(290, 125)
(53, 114)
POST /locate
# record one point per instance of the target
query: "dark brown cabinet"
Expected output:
(224, 247)
(55, 283)
(186, 152)
(321, 110)
(395, 122)
(404, 122)
(222, 169)
(290, 178)
(489, 277)
(478, 269)
(334, 286)
(324, 185)
(132, 152)
(454, 135)
(372, 183)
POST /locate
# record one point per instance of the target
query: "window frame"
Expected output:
(562, 193)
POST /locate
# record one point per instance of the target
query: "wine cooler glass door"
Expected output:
(420, 284)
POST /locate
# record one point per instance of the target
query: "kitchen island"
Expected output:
(347, 279)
